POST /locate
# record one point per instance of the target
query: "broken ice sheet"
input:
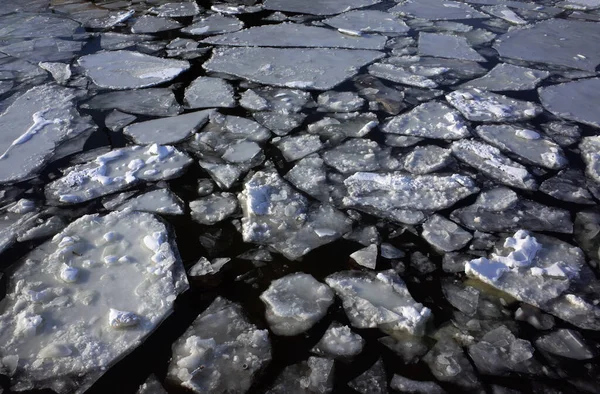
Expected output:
(508, 77)
(34, 125)
(437, 10)
(574, 100)
(86, 298)
(298, 146)
(430, 120)
(177, 9)
(444, 234)
(366, 257)
(310, 176)
(278, 216)
(359, 154)
(379, 300)
(505, 13)
(313, 376)
(568, 185)
(425, 159)
(296, 35)
(590, 152)
(153, 24)
(339, 342)
(209, 359)
(151, 386)
(115, 171)
(406, 385)
(400, 75)
(130, 70)
(560, 42)
(368, 21)
(168, 130)
(295, 303)
(448, 363)
(214, 24)
(447, 46)
(339, 102)
(207, 92)
(481, 106)
(151, 102)
(161, 201)
(320, 7)
(311, 68)
(372, 381)
(339, 126)
(214, 208)
(567, 343)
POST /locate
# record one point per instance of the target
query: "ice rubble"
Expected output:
(379, 300)
(36, 123)
(311, 68)
(573, 100)
(339, 342)
(313, 376)
(209, 359)
(113, 278)
(480, 106)
(321, 7)
(169, 130)
(447, 46)
(296, 35)
(130, 70)
(274, 214)
(295, 303)
(115, 171)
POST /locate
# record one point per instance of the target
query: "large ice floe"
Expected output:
(83, 300)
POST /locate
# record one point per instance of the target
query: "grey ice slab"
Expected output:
(46, 49)
(210, 359)
(567, 343)
(505, 13)
(448, 363)
(400, 75)
(214, 24)
(426, 159)
(358, 154)
(379, 301)
(312, 68)
(437, 10)
(430, 120)
(34, 125)
(213, 208)
(168, 130)
(296, 35)
(151, 386)
(576, 100)
(480, 106)
(568, 185)
(447, 46)
(177, 9)
(19, 25)
(444, 234)
(339, 102)
(527, 144)
(508, 77)
(368, 21)
(490, 161)
(116, 120)
(208, 92)
(298, 146)
(310, 176)
(314, 375)
(563, 133)
(130, 70)
(318, 7)
(151, 102)
(372, 381)
(558, 42)
(115, 171)
(590, 152)
(96, 291)
(161, 201)
(153, 24)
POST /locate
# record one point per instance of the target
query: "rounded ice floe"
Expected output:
(130, 70)
(295, 303)
(69, 316)
(339, 341)
(379, 300)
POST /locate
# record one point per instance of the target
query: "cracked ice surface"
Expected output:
(83, 300)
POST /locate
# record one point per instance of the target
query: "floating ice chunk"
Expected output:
(167, 130)
(82, 320)
(116, 120)
(406, 385)
(379, 300)
(338, 127)
(35, 124)
(590, 152)
(310, 68)
(480, 106)
(437, 10)
(214, 24)
(573, 100)
(579, 43)
(152, 385)
(313, 376)
(61, 72)
(400, 75)
(444, 235)
(372, 381)
(565, 343)
(310, 176)
(152, 102)
(296, 35)
(323, 7)
(494, 164)
(339, 342)
(448, 363)
(508, 77)
(208, 92)
(295, 303)
(359, 154)
(177, 9)
(162, 201)
(130, 70)
(209, 359)
(276, 215)
(242, 152)
(426, 159)
(447, 46)
(568, 185)
(153, 24)
(125, 167)
(366, 257)
(339, 102)
(49, 227)
(430, 120)
(214, 208)
(296, 147)
(563, 133)
(368, 21)
(505, 13)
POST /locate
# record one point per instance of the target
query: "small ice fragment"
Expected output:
(69, 274)
(122, 319)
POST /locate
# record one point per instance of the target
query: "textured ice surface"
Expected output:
(426, 159)
(508, 77)
(296, 35)
(590, 152)
(81, 301)
(12, 224)
(504, 12)
(152, 102)
(130, 70)
(437, 10)
(298, 146)
(177, 9)
(207, 92)
(368, 21)
(444, 234)
(372, 381)
(379, 300)
(448, 363)
(151, 386)
(565, 342)
(339, 342)
(405, 385)
(214, 24)
(313, 376)
(210, 359)
(339, 102)
(481, 106)
(573, 100)
(295, 303)
(310, 176)
(400, 75)
(319, 7)
(559, 42)
(214, 208)
(162, 201)
(359, 154)
(311, 68)
(366, 257)
(115, 171)
(167, 130)
(448, 46)
(153, 24)
(277, 215)
(430, 120)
